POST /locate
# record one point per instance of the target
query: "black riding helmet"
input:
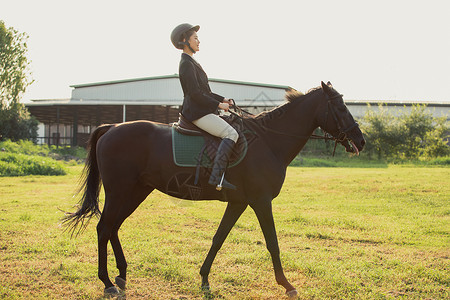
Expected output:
(178, 34)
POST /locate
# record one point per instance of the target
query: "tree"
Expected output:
(15, 77)
(409, 135)
(384, 134)
(436, 141)
(417, 125)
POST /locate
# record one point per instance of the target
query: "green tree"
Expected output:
(384, 134)
(417, 124)
(409, 135)
(436, 141)
(15, 77)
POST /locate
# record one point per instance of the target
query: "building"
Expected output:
(70, 121)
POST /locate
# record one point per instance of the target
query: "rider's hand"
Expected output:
(225, 106)
(227, 100)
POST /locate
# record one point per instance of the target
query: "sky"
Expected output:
(369, 50)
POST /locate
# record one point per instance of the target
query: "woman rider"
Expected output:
(200, 105)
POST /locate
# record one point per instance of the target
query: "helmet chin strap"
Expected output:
(189, 46)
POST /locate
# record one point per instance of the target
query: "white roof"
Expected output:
(166, 90)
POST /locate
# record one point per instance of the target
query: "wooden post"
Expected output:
(75, 127)
(57, 126)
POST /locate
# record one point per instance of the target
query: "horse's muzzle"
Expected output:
(354, 143)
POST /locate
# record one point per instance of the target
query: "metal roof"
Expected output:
(398, 102)
(285, 87)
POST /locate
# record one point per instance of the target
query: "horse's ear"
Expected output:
(326, 88)
(329, 84)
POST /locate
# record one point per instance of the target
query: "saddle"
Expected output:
(194, 147)
(184, 126)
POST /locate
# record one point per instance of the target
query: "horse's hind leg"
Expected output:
(139, 195)
(104, 230)
(118, 206)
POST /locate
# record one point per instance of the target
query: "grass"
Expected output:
(349, 161)
(360, 233)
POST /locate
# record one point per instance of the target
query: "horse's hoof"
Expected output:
(205, 285)
(112, 291)
(121, 283)
(292, 294)
(206, 290)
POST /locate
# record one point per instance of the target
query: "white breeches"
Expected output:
(215, 125)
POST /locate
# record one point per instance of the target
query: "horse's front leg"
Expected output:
(264, 214)
(232, 214)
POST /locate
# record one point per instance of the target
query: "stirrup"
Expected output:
(220, 185)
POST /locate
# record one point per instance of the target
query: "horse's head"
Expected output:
(337, 120)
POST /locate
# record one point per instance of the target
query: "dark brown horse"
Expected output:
(132, 159)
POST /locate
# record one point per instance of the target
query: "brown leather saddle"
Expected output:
(186, 127)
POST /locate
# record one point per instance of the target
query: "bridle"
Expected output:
(341, 135)
(342, 132)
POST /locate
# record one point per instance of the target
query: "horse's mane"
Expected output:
(291, 96)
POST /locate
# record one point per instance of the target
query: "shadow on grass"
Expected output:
(337, 162)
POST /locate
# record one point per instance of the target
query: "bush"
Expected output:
(16, 164)
(435, 141)
(411, 136)
(24, 147)
(68, 153)
(59, 153)
(17, 124)
(25, 158)
(383, 133)
(441, 161)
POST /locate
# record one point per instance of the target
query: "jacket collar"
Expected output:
(190, 58)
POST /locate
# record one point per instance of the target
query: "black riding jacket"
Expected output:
(198, 99)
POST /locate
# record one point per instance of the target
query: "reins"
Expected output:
(342, 135)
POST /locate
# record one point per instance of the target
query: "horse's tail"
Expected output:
(90, 186)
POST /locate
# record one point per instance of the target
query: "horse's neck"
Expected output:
(288, 133)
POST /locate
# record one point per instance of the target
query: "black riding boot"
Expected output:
(220, 165)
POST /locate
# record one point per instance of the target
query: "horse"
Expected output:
(132, 159)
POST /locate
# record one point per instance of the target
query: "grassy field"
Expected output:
(345, 233)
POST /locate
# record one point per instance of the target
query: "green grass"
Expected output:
(344, 233)
(350, 161)
(337, 162)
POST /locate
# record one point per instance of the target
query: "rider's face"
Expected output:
(194, 42)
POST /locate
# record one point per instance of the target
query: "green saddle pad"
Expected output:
(186, 151)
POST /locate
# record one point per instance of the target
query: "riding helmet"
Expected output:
(178, 34)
